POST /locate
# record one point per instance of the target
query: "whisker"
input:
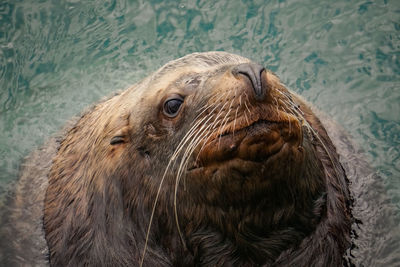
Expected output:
(205, 142)
(335, 167)
(152, 213)
(245, 102)
(184, 162)
(224, 121)
(234, 121)
(288, 109)
(214, 102)
(245, 116)
(187, 136)
(288, 98)
(171, 162)
(293, 108)
(219, 113)
(182, 166)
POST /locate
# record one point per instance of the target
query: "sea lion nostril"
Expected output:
(253, 72)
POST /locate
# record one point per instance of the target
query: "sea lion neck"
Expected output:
(258, 230)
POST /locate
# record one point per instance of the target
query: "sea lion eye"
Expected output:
(172, 106)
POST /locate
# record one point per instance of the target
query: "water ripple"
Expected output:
(57, 57)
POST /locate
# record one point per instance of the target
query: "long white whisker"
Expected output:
(152, 213)
(172, 159)
(188, 135)
(207, 138)
(224, 121)
(185, 159)
(234, 121)
(321, 142)
(213, 103)
(182, 166)
(290, 101)
(245, 116)
(245, 102)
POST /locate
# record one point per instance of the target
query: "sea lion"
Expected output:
(210, 161)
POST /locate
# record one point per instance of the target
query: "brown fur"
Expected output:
(244, 205)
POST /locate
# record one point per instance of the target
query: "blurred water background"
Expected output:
(59, 56)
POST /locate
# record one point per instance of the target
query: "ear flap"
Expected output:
(121, 136)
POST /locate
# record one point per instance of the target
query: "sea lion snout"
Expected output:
(254, 73)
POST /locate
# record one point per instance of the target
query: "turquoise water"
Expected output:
(58, 57)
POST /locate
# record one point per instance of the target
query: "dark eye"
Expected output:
(172, 106)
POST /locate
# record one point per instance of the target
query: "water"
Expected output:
(58, 56)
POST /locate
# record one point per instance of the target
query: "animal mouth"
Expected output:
(255, 142)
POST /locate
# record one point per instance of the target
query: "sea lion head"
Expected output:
(209, 142)
(223, 127)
